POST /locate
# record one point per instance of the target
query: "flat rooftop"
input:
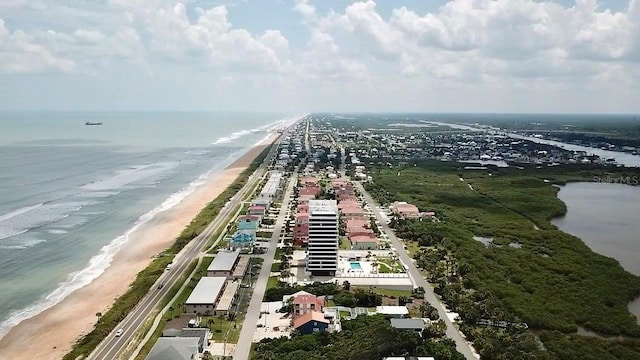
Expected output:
(323, 206)
(240, 269)
(224, 260)
(207, 291)
(227, 297)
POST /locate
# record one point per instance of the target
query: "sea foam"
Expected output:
(99, 263)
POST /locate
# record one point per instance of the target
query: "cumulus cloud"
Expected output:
(503, 37)
(21, 53)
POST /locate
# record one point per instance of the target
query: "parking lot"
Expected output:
(272, 324)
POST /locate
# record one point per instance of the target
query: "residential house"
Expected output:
(311, 322)
(411, 325)
(393, 311)
(175, 348)
(257, 210)
(301, 229)
(362, 242)
(242, 239)
(248, 223)
(406, 210)
(304, 303)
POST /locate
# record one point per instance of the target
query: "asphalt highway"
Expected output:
(112, 346)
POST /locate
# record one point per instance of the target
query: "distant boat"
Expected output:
(92, 123)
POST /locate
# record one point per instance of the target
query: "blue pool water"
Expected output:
(356, 266)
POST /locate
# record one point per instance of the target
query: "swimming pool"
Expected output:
(356, 266)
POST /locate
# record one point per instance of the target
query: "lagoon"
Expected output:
(605, 217)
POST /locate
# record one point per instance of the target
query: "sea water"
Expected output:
(71, 193)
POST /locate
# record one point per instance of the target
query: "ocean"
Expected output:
(71, 193)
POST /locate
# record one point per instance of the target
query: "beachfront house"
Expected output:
(248, 223)
(242, 239)
(175, 348)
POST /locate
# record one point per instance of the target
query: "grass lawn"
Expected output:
(273, 282)
(388, 265)
(385, 292)
(275, 267)
(412, 247)
(345, 244)
(344, 314)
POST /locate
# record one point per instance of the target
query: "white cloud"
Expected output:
(323, 61)
(512, 38)
(21, 53)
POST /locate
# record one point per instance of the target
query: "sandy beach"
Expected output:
(51, 334)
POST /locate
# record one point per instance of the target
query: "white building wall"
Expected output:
(323, 237)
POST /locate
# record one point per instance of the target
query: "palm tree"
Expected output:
(210, 322)
(99, 315)
(423, 310)
(171, 312)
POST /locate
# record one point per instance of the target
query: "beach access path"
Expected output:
(452, 332)
(52, 333)
(243, 348)
(113, 346)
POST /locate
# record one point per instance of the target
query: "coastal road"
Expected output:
(243, 348)
(452, 332)
(111, 347)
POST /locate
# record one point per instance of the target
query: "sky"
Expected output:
(531, 56)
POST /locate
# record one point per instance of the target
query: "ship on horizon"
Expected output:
(92, 123)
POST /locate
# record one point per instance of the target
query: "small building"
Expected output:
(190, 332)
(242, 239)
(311, 322)
(393, 311)
(205, 296)
(248, 223)
(224, 263)
(261, 202)
(412, 325)
(257, 210)
(241, 268)
(364, 242)
(228, 298)
(175, 348)
(406, 210)
(301, 229)
(304, 303)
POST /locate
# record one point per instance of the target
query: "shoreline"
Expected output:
(60, 326)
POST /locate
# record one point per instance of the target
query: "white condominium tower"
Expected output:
(323, 237)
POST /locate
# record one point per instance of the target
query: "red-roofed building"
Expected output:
(304, 303)
(311, 322)
(310, 190)
(257, 210)
(357, 227)
(301, 229)
(302, 208)
(404, 209)
(362, 242)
